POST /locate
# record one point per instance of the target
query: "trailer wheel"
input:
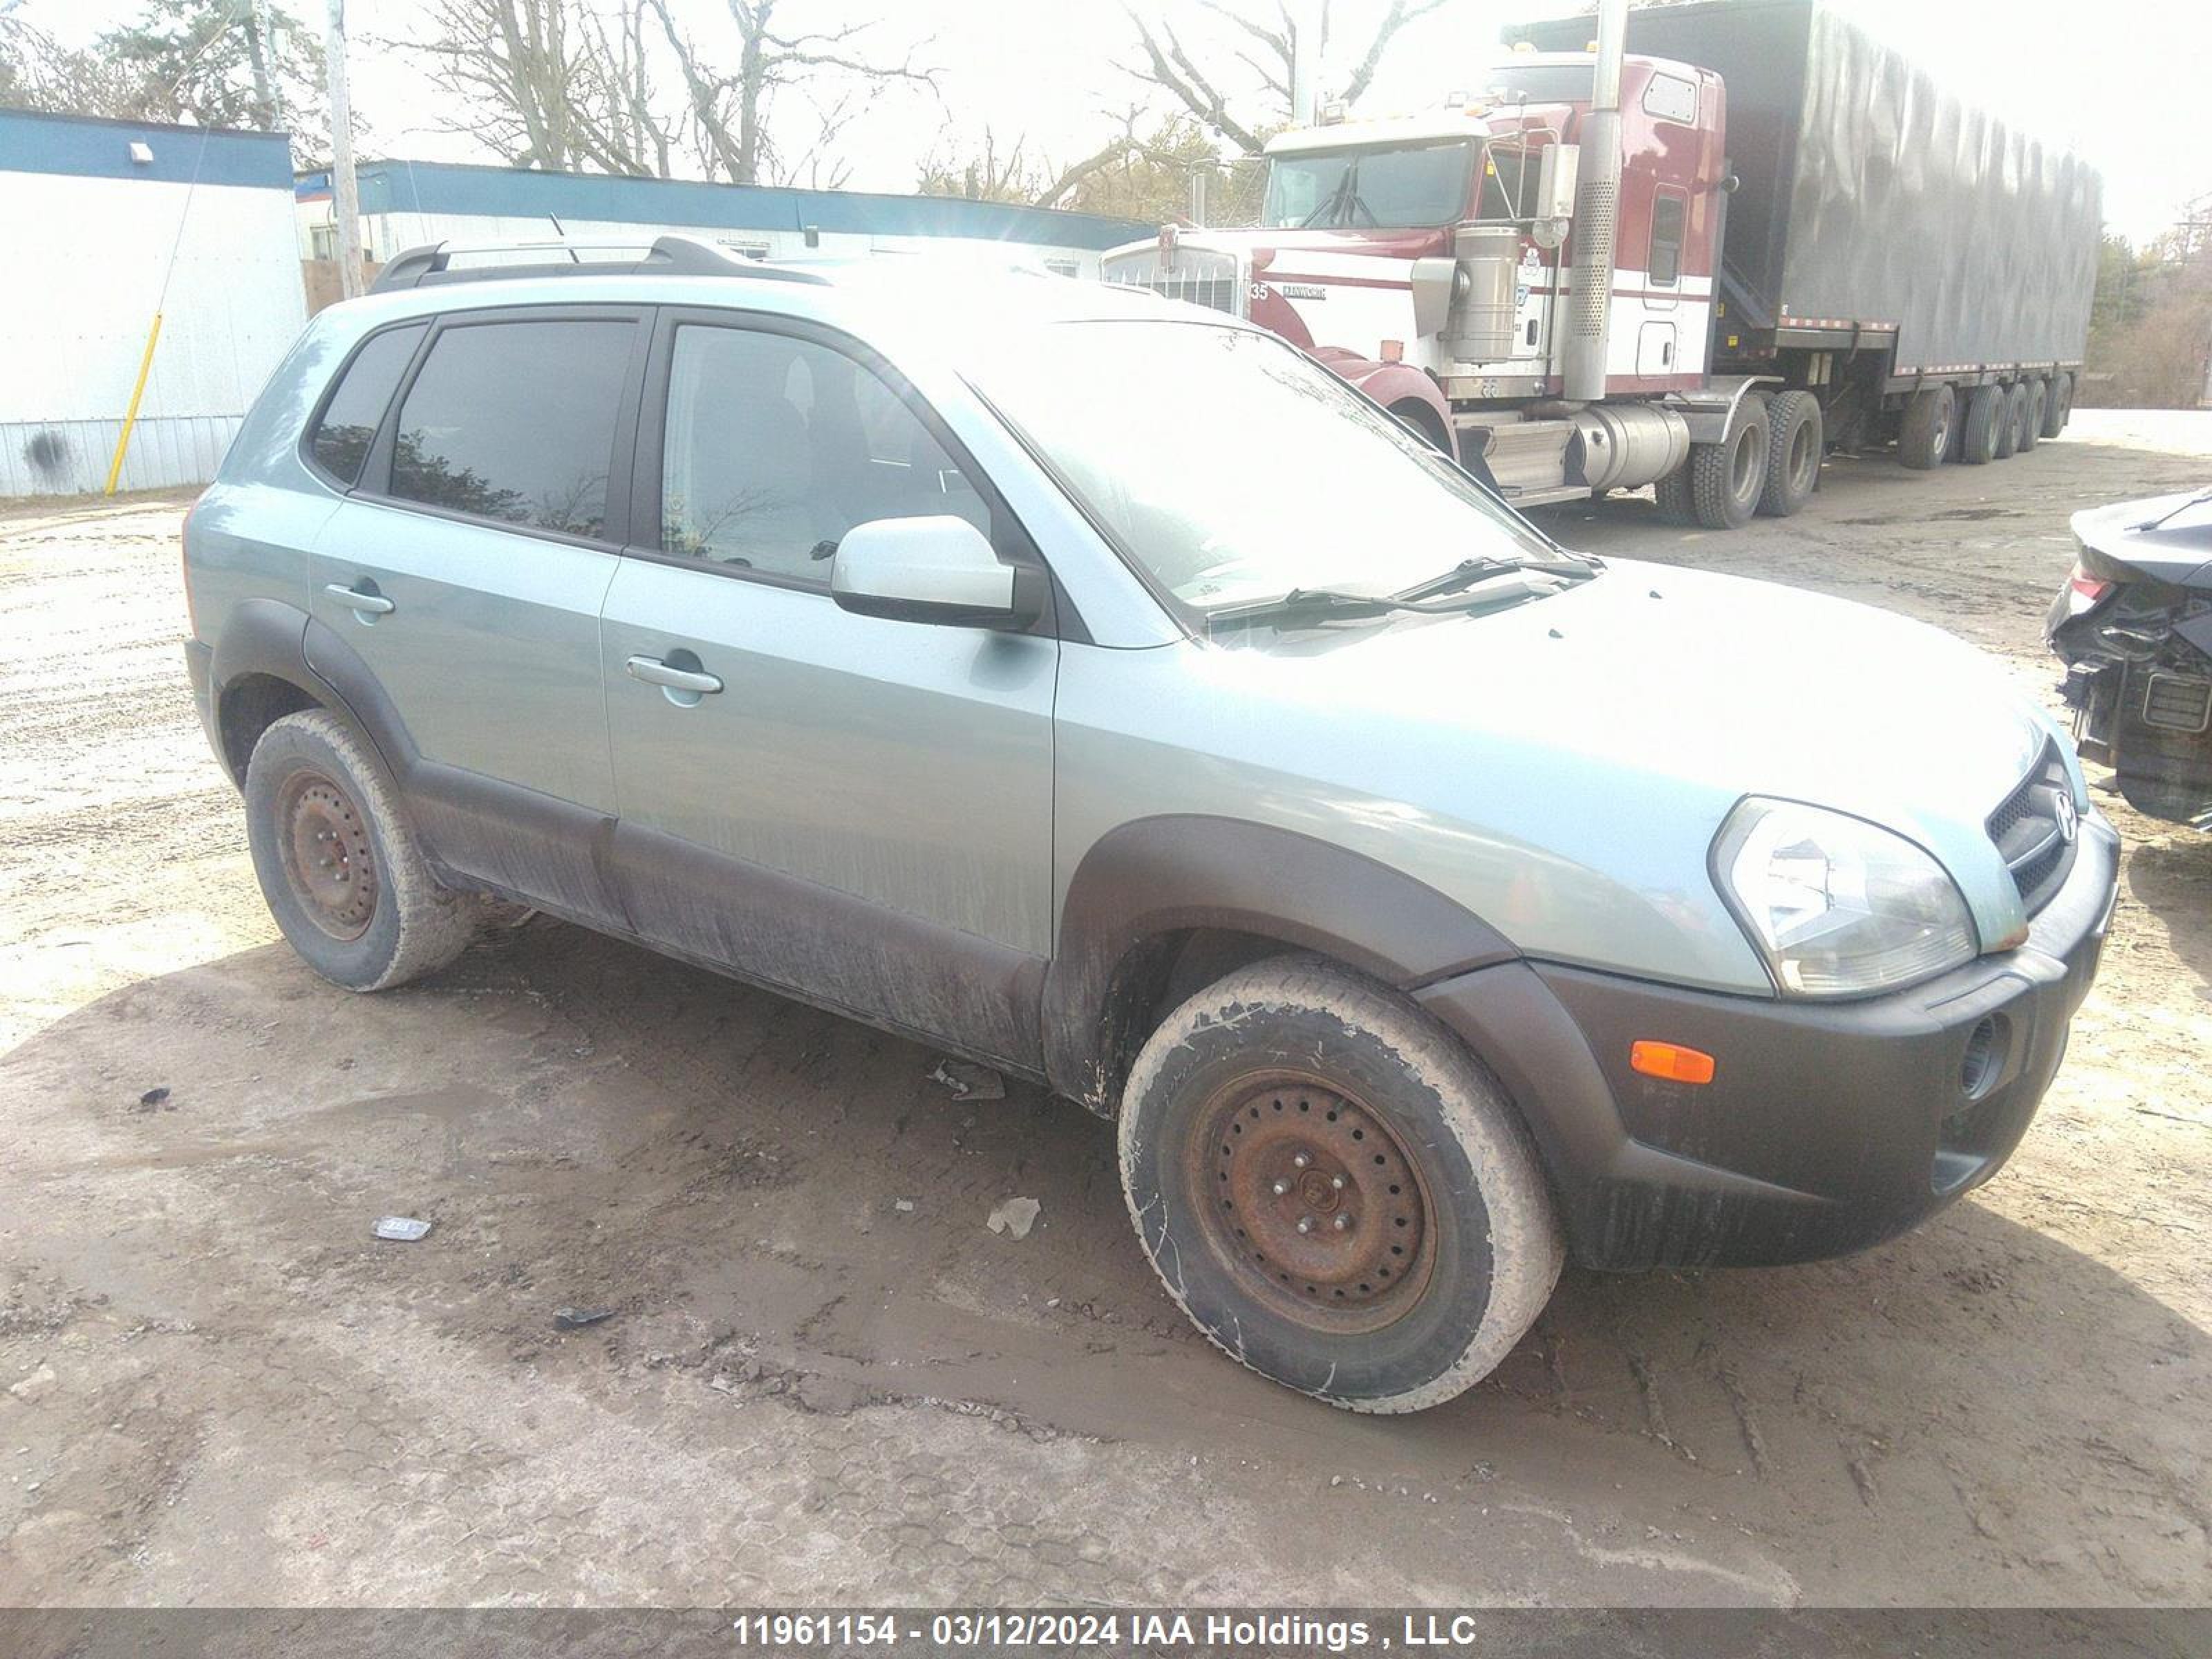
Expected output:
(1727, 478)
(2010, 418)
(1673, 494)
(1923, 441)
(2038, 405)
(1985, 410)
(1795, 444)
(2060, 407)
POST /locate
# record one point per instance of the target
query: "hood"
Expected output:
(1385, 243)
(1599, 737)
(2166, 537)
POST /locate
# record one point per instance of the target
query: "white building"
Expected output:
(91, 214)
(407, 205)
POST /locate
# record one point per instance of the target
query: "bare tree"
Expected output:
(551, 83)
(1261, 60)
(729, 109)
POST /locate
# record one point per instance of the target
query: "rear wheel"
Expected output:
(1985, 410)
(338, 860)
(1673, 494)
(2038, 403)
(1795, 442)
(1727, 478)
(1923, 439)
(2010, 414)
(1336, 1191)
(2060, 407)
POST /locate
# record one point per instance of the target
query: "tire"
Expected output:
(1923, 440)
(2009, 416)
(1421, 421)
(1985, 409)
(1795, 444)
(1673, 494)
(1361, 1111)
(2039, 404)
(313, 784)
(1727, 478)
(2060, 407)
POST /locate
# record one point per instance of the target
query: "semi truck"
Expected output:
(1695, 251)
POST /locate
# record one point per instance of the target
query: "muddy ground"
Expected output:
(215, 1388)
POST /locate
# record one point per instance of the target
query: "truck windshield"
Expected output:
(1419, 185)
(1234, 469)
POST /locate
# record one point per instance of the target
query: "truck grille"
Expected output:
(2036, 829)
(1197, 276)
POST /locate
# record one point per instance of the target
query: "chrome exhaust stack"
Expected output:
(1597, 202)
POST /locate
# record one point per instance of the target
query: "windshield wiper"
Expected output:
(1333, 203)
(1330, 605)
(1467, 572)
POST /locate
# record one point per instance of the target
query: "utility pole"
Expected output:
(345, 198)
(268, 106)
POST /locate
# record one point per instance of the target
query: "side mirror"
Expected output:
(938, 570)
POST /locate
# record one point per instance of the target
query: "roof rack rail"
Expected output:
(673, 256)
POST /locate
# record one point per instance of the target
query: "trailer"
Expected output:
(1697, 252)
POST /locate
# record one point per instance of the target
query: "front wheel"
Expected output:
(1335, 1191)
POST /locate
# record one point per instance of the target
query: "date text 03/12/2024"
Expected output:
(1047, 1630)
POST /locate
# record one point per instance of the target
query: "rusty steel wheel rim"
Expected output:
(328, 856)
(1310, 1200)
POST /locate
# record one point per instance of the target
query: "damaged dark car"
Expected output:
(2134, 626)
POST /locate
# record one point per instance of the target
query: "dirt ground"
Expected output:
(825, 1380)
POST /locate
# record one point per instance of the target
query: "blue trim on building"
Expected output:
(446, 187)
(89, 147)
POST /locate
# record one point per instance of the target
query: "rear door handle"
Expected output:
(372, 605)
(653, 671)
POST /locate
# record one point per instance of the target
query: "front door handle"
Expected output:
(367, 605)
(653, 671)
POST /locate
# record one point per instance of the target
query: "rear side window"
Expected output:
(356, 406)
(516, 422)
(1667, 212)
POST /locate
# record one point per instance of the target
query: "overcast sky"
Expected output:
(2121, 82)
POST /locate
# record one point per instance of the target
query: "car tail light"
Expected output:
(2085, 592)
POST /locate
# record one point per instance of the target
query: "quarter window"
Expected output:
(516, 422)
(356, 408)
(1666, 214)
(775, 446)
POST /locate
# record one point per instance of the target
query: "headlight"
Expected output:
(1837, 906)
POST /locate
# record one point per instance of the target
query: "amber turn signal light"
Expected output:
(1671, 1062)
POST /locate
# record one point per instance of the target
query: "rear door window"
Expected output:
(515, 422)
(342, 437)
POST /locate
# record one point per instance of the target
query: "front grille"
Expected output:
(1199, 276)
(2035, 830)
(2174, 702)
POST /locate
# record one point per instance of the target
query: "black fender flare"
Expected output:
(1152, 878)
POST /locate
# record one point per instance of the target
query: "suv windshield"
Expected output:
(1422, 185)
(1235, 470)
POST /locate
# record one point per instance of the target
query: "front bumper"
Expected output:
(1827, 1126)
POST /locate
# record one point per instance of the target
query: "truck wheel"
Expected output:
(1422, 422)
(1334, 1189)
(1985, 410)
(338, 860)
(1726, 478)
(1673, 494)
(2038, 405)
(2010, 416)
(2060, 407)
(1923, 440)
(1795, 444)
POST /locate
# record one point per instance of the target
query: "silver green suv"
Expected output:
(1096, 686)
